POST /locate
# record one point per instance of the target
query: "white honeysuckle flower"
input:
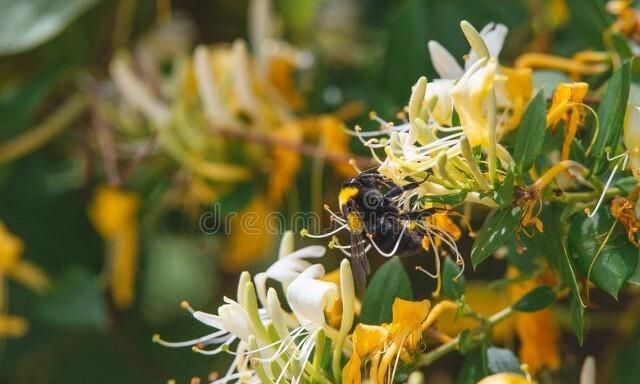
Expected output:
(448, 67)
(444, 63)
(493, 35)
(241, 70)
(440, 89)
(288, 266)
(214, 109)
(137, 93)
(261, 29)
(235, 319)
(469, 97)
(309, 297)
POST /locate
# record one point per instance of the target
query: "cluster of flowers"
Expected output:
(451, 139)
(271, 344)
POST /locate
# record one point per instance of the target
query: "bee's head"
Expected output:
(348, 203)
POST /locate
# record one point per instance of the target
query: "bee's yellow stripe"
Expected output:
(345, 194)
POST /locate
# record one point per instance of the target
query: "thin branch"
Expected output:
(444, 349)
(41, 134)
(302, 148)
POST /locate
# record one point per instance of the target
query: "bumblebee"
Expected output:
(368, 203)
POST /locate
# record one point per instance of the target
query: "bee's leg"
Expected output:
(397, 191)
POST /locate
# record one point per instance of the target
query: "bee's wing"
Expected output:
(359, 261)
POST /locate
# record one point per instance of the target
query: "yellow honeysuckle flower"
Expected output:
(13, 326)
(246, 246)
(506, 378)
(518, 88)
(281, 75)
(631, 138)
(367, 339)
(567, 106)
(538, 331)
(384, 344)
(583, 63)
(285, 162)
(484, 301)
(627, 18)
(12, 266)
(113, 213)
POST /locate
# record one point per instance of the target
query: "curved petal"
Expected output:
(308, 297)
(443, 62)
(493, 35)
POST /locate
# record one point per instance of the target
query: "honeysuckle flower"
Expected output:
(309, 308)
(288, 267)
(14, 267)
(567, 106)
(384, 345)
(113, 213)
(469, 98)
(269, 343)
(235, 322)
(584, 63)
(447, 66)
(538, 332)
(137, 93)
(512, 94)
(631, 138)
(245, 247)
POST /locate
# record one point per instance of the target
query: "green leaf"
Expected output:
(504, 192)
(603, 253)
(531, 134)
(388, 283)
(536, 299)
(611, 114)
(494, 233)
(551, 245)
(452, 285)
(627, 184)
(75, 301)
(27, 24)
(474, 367)
(502, 360)
(621, 46)
(577, 317)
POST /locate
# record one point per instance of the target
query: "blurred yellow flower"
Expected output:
(113, 213)
(631, 138)
(484, 301)
(249, 239)
(285, 162)
(23, 272)
(538, 331)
